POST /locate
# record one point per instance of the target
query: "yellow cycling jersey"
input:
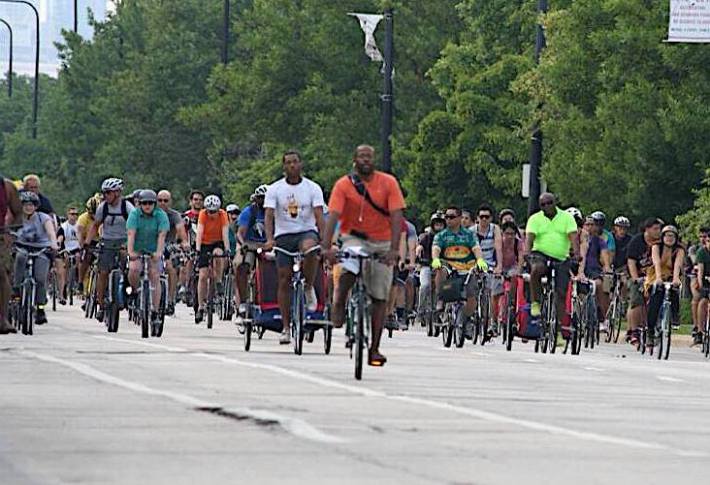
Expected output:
(84, 222)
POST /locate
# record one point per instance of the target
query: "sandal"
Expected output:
(375, 359)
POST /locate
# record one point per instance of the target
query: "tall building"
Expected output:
(54, 15)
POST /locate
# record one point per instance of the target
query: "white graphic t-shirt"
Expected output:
(293, 206)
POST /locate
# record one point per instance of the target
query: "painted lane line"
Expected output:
(669, 379)
(294, 426)
(594, 369)
(466, 411)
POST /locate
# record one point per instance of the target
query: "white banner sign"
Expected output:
(368, 24)
(690, 21)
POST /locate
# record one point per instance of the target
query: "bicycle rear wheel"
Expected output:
(113, 307)
(28, 311)
(460, 328)
(359, 335)
(54, 288)
(297, 317)
(145, 309)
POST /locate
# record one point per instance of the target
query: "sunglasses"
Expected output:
(147, 202)
(164, 200)
(547, 204)
(450, 216)
(484, 216)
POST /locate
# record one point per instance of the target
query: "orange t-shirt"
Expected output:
(213, 225)
(357, 214)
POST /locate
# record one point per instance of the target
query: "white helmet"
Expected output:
(212, 203)
(261, 190)
(574, 212)
(111, 184)
(232, 208)
(622, 221)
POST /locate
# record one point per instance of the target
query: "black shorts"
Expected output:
(110, 253)
(203, 260)
(562, 268)
(292, 244)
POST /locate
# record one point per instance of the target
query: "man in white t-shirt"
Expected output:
(68, 238)
(294, 220)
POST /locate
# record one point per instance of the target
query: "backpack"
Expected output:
(124, 210)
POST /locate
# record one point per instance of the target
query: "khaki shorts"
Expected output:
(636, 298)
(246, 254)
(377, 276)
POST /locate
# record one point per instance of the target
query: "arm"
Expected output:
(198, 237)
(132, 243)
(678, 267)
(242, 234)
(529, 240)
(656, 257)
(435, 252)
(49, 227)
(93, 230)
(633, 271)
(269, 227)
(498, 242)
(182, 235)
(606, 260)
(700, 273)
(161, 244)
(396, 226)
(225, 237)
(14, 218)
(412, 247)
(320, 220)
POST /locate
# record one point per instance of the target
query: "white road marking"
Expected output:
(532, 361)
(594, 369)
(669, 379)
(295, 426)
(466, 411)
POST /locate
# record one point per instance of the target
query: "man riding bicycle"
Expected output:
(293, 222)
(251, 235)
(702, 267)
(368, 204)
(437, 223)
(176, 234)
(597, 262)
(111, 216)
(551, 233)
(458, 247)
(37, 232)
(68, 238)
(212, 240)
(147, 228)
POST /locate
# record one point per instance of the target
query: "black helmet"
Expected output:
(148, 196)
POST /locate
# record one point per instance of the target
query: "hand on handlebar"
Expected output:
(436, 263)
(482, 264)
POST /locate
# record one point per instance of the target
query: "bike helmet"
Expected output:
(599, 217)
(232, 208)
(622, 221)
(27, 197)
(437, 216)
(148, 196)
(261, 191)
(212, 203)
(92, 203)
(576, 213)
(669, 228)
(111, 184)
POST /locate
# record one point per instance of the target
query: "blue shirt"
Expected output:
(254, 224)
(147, 228)
(609, 240)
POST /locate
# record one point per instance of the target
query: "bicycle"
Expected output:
(706, 323)
(226, 305)
(115, 297)
(663, 328)
(548, 316)
(245, 314)
(25, 307)
(53, 286)
(298, 298)
(143, 302)
(358, 328)
(580, 316)
(90, 300)
(485, 310)
(591, 327)
(452, 319)
(70, 284)
(617, 308)
(508, 311)
(213, 299)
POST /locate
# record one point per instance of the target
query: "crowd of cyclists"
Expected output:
(213, 249)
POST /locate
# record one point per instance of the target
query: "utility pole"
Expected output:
(388, 93)
(225, 40)
(9, 72)
(536, 147)
(76, 16)
(35, 98)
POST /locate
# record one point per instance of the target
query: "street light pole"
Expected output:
(76, 16)
(388, 94)
(225, 40)
(35, 99)
(9, 72)
(536, 147)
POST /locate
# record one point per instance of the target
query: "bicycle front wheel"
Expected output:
(359, 335)
(145, 309)
(28, 311)
(297, 317)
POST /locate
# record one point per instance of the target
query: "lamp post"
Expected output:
(9, 72)
(76, 16)
(536, 147)
(35, 98)
(225, 40)
(388, 93)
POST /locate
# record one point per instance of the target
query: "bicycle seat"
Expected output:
(357, 251)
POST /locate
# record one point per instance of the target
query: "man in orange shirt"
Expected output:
(368, 203)
(212, 239)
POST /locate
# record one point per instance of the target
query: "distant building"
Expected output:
(55, 15)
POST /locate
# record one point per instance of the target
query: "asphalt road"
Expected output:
(82, 406)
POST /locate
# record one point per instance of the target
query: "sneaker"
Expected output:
(698, 338)
(311, 299)
(40, 317)
(199, 315)
(604, 326)
(285, 338)
(62, 301)
(100, 314)
(170, 309)
(535, 309)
